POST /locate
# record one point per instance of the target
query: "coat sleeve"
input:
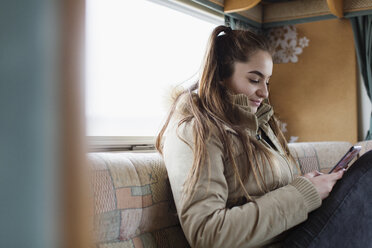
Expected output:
(205, 219)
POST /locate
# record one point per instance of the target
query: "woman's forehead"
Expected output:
(259, 63)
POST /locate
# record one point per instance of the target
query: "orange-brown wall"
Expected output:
(317, 96)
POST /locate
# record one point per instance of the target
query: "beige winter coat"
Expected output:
(219, 215)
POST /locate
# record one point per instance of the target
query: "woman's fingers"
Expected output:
(325, 182)
(338, 175)
(310, 174)
(313, 174)
(318, 173)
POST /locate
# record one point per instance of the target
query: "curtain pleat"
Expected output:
(235, 23)
(362, 29)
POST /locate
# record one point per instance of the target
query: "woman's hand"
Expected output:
(324, 182)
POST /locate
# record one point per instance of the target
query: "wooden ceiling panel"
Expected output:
(239, 5)
(336, 7)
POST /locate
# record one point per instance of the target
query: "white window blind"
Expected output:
(135, 52)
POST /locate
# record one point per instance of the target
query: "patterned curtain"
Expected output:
(362, 28)
(235, 23)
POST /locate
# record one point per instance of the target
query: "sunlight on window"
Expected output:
(136, 50)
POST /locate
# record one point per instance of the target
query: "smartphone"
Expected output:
(346, 159)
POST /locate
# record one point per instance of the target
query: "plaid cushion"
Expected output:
(321, 156)
(366, 146)
(133, 204)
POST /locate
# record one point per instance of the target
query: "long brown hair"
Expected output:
(206, 104)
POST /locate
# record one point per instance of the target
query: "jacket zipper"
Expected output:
(258, 136)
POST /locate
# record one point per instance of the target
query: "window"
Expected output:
(135, 52)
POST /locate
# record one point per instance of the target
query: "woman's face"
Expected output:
(252, 78)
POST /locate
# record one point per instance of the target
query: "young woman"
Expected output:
(234, 181)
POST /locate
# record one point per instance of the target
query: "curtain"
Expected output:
(362, 28)
(235, 23)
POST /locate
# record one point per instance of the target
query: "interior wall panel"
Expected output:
(317, 96)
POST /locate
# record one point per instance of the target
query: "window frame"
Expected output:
(147, 143)
(121, 143)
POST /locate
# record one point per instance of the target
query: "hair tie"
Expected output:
(224, 31)
(228, 30)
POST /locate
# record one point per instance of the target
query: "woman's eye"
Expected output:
(254, 81)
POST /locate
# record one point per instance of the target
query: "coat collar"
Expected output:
(245, 116)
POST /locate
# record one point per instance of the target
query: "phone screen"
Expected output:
(346, 159)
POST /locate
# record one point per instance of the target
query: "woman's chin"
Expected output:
(254, 109)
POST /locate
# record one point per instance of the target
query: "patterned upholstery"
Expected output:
(366, 146)
(133, 204)
(321, 156)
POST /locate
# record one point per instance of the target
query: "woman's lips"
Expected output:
(256, 103)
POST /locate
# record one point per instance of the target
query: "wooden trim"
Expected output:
(355, 13)
(298, 21)
(336, 7)
(299, 11)
(76, 212)
(239, 5)
(121, 143)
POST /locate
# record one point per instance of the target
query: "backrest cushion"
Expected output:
(321, 156)
(133, 204)
(366, 146)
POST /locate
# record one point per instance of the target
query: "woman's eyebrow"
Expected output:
(258, 73)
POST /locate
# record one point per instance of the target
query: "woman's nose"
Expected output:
(263, 91)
